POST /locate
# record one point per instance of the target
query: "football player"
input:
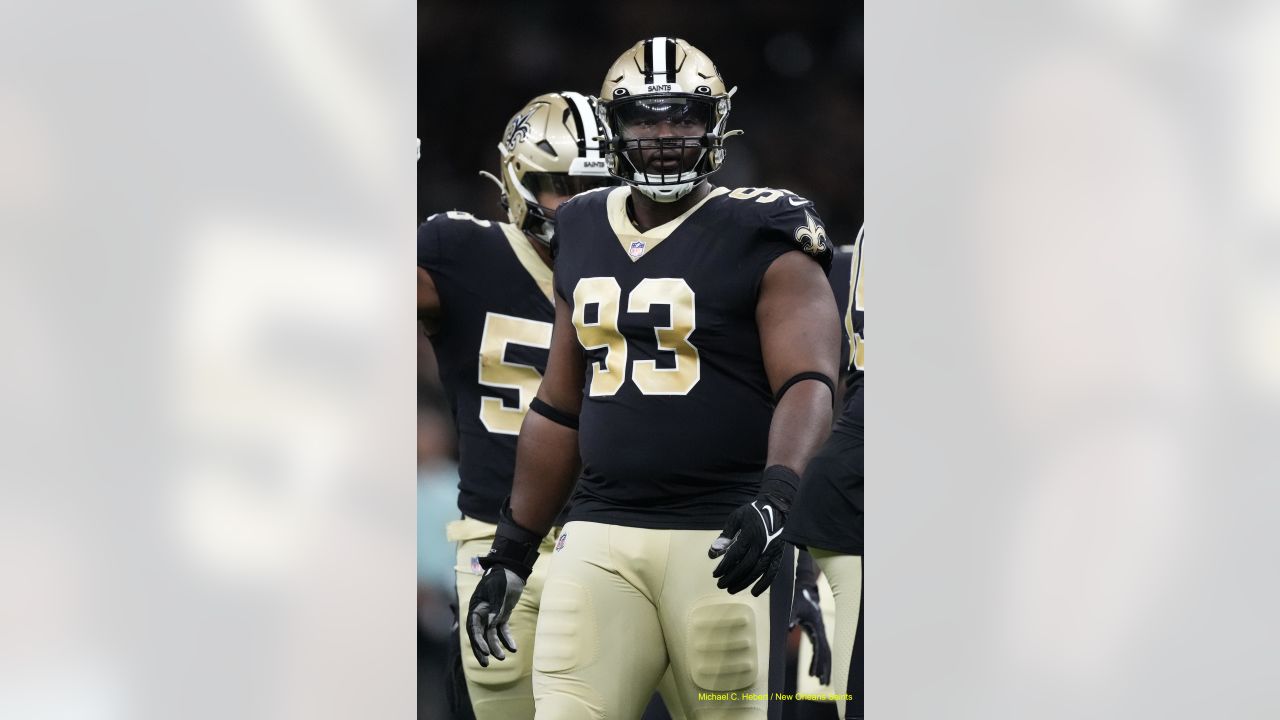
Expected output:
(805, 610)
(691, 370)
(827, 515)
(484, 299)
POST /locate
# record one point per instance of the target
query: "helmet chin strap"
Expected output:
(545, 231)
(538, 226)
(664, 193)
(495, 180)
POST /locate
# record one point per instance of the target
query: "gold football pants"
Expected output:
(621, 605)
(504, 690)
(844, 572)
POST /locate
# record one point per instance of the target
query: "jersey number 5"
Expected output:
(608, 376)
(496, 372)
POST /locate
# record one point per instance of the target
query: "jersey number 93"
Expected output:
(607, 376)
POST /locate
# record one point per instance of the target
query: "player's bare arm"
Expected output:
(546, 467)
(800, 344)
(547, 452)
(428, 302)
(799, 333)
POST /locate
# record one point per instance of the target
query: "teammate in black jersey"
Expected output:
(484, 298)
(805, 609)
(691, 371)
(827, 516)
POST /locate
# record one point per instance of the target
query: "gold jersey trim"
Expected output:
(637, 244)
(529, 258)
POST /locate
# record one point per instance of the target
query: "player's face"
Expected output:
(667, 133)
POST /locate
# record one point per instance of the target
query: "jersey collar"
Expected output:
(637, 244)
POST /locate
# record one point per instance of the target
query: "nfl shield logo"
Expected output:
(475, 566)
(560, 542)
(637, 249)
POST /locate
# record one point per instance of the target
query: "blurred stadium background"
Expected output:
(799, 71)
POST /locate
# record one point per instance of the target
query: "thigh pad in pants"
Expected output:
(721, 644)
(567, 634)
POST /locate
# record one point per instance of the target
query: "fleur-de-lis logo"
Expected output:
(811, 236)
(518, 130)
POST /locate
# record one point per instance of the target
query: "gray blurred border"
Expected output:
(1075, 357)
(207, 481)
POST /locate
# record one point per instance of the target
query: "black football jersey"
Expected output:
(491, 346)
(676, 404)
(852, 416)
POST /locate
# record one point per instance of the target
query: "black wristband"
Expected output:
(831, 385)
(779, 486)
(514, 547)
(558, 417)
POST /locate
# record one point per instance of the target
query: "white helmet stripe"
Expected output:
(588, 123)
(658, 52)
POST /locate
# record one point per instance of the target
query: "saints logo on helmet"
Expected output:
(518, 128)
(552, 146)
(666, 107)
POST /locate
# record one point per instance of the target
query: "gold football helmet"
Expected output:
(658, 86)
(553, 145)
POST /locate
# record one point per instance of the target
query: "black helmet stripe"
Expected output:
(648, 61)
(577, 117)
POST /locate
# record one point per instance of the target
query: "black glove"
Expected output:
(751, 541)
(490, 609)
(507, 568)
(806, 613)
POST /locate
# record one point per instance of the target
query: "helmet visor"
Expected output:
(648, 117)
(563, 185)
